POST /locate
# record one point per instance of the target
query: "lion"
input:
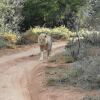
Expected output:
(45, 43)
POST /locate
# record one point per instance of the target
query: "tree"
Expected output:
(51, 13)
(10, 15)
(95, 15)
(89, 14)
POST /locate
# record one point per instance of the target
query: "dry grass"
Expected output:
(91, 98)
(84, 72)
(61, 58)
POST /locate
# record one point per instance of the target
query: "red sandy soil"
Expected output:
(22, 77)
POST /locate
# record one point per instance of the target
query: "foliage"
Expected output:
(92, 36)
(10, 37)
(61, 58)
(91, 98)
(31, 35)
(10, 15)
(61, 30)
(60, 75)
(51, 13)
(19, 15)
(95, 14)
(78, 48)
(28, 38)
(2, 43)
(8, 41)
(89, 14)
(39, 30)
(84, 74)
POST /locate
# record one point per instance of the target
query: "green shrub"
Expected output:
(58, 31)
(9, 37)
(62, 76)
(2, 43)
(62, 31)
(8, 40)
(84, 74)
(61, 58)
(28, 38)
(91, 98)
(92, 37)
(31, 35)
(39, 30)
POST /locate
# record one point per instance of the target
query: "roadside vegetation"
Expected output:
(83, 62)
(31, 35)
(91, 98)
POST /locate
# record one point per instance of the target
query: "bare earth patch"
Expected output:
(20, 48)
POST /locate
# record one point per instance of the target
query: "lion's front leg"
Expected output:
(48, 54)
(41, 55)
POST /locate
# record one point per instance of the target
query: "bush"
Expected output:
(31, 35)
(92, 37)
(58, 31)
(9, 37)
(62, 76)
(84, 74)
(8, 40)
(28, 38)
(91, 98)
(2, 43)
(61, 58)
(78, 48)
(39, 30)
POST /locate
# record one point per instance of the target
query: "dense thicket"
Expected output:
(89, 14)
(10, 15)
(95, 14)
(19, 15)
(51, 13)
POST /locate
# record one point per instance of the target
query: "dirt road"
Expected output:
(21, 78)
(13, 69)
